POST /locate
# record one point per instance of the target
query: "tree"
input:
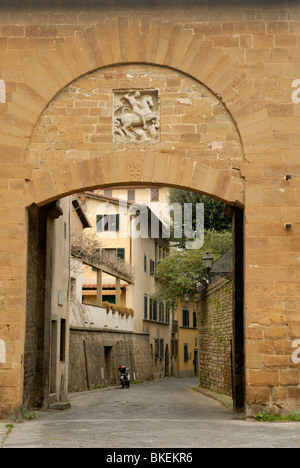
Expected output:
(182, 270)
(214, 217)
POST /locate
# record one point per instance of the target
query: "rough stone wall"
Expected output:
(126, 349)
(143, 357)
(215, 337)
(246, 53)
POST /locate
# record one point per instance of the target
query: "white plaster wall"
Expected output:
(84, 315)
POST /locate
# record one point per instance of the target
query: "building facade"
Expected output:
(101, 339)
(123, 228)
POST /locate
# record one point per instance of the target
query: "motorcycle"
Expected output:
(125, 376)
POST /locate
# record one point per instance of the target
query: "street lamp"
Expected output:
(208, 261)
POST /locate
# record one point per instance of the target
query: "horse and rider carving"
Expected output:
(135, 119)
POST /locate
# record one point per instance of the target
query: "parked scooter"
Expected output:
(125, 376)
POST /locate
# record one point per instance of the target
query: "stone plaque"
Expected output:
(136, 116)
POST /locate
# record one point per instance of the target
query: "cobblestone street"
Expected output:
(160, 414)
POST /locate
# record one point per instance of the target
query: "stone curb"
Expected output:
(224, 399)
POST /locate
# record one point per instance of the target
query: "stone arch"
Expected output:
(72, 148)
(138, 40)
(147, 168)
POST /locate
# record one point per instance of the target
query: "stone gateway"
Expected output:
(195, 95)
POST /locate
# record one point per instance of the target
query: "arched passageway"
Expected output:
(75, 147)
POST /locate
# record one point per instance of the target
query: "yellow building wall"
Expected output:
(188, 336)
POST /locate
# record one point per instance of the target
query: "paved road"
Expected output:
(161, 414)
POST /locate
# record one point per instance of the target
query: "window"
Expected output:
(152, 267)
(151, 309)
(155, 195)
(145, 307)
(131, 195)
(115, 253)
(121, 254)
(185, 318)
(145, 263)
(186, 352)
(154, 309)
(161, 312)
(174, 348)
(107, 223)
(168, 314)
(174, 326)
(194, 319)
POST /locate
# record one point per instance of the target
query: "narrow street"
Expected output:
(160, 414)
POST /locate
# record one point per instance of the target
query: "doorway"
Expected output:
(53, 365)
(196, 367)
(167, 362)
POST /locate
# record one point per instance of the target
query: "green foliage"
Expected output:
(180, 273)
(273, 416)
(214, 217)
(28, 416)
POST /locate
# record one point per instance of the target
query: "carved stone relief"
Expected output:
(136, 117)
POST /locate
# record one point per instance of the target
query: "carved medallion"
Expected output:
(135, 170)
(136, 117)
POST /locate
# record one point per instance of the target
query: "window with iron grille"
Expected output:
(174, 348)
